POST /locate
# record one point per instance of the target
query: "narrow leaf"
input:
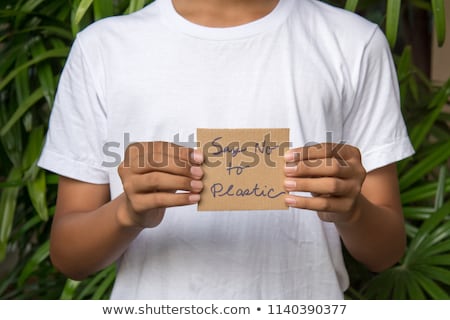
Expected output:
(439, 20)
(103, 9)
(33, 149)
(135, 5)
(40, 255)
(427, 227)
(83, 7)
(37, 190)
(420, 131)
(439, 260)
(417, 213)
(414, 290)
(21, 80)
(56, 53)
(392, 20)
(30, 101)
(8, 202)
(430, 287)
(424, 191)
(44, 73)
(351, 5)
(104, 286)
(69, 290)
(436, 273)
(93, 283)
(440, 192)
(439, 155)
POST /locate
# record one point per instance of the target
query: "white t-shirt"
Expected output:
(325, 73)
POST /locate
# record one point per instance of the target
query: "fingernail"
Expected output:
(196, 172)
(290, 184)
(197, 156)
(289, 156)
(194, 198)
(290, 169)
(290, 201)
(196, 185)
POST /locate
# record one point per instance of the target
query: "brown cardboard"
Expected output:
(243, 169)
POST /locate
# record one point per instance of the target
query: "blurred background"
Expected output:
(35, 38)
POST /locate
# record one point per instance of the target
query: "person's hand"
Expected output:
(155, 176)
(332, 173)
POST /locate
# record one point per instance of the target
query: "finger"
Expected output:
(161, 181)
(196, 157)
(329, 167)
(321, 151)
(160, 156)
(145, 201)
(318, 186)
(321, 204)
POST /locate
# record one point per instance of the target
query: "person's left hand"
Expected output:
(332, 173)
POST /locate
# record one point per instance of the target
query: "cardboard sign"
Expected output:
(244, 169)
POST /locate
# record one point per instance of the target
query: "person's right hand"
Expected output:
(155, 176)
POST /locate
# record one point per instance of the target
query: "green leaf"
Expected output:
(414, 290)
(69, 290)
(8, 202)
(382, 285)
(26, 7)
(93, 283)
(439, 260)
(430, 287)
(439, 20)
(439, 248)
(36, 181)
(351, 5)
(105, 285)
(410, 230)
(436, 273)
(83, 7)
(426, 228)
(40, 255)
(55, 53)
(103, 9)
(12, 140)
(392, 20)
(30, 101)
(420, 131)
(21, 80)
(417, 213)
(439, 155)
(34, 147)
(37, 190)
(424, 191)
(135, 5)
(400, 280)
(44, 73)
(52, 178)
(440, 192)
(404, 64)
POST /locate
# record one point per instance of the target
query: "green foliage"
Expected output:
(35, 38)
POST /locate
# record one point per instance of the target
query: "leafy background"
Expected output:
(35, 38)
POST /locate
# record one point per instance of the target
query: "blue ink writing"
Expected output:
(218, 190)
(237, 169)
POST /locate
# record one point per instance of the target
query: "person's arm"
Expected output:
(89, 231)
(365, 208)
(86, 233)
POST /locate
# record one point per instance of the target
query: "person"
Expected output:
(134, 86)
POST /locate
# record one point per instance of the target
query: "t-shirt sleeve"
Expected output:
(374, 121)
(77, 126)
